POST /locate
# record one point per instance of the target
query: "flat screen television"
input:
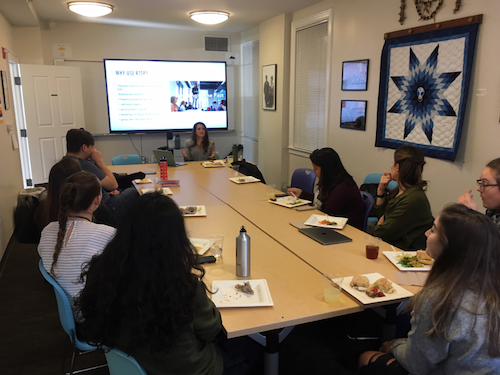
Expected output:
(159, 96)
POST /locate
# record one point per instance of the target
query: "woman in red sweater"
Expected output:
(337, 194)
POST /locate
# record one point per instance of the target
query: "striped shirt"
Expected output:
(86, 240)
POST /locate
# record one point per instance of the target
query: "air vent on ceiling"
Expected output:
(216, 43)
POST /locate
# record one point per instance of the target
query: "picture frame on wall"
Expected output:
(269, 87)
(355, 75)
(5, 90)
(353, 114)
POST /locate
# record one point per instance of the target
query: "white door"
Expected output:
(53, 104)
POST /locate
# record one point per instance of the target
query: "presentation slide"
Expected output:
(165, 95)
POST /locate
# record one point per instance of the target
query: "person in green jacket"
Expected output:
(145, 296)
(404, 213)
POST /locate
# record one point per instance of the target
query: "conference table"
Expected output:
(291, 262)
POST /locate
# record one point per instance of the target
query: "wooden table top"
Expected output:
(291, 263)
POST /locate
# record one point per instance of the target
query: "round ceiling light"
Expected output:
(90, 9)
(209, 17)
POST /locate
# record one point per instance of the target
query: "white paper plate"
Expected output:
(361, 296)
(244, 179)
(201, 211)
(201, 244)
(290, 202)
(394, 259)
(214, 164)
(166, 191)
(227, 296)
(315, 219)
(143, 181)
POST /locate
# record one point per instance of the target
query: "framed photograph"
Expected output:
(269, 84)
(353, 114)
(5, 90)
(355, 75)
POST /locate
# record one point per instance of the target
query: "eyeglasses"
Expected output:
(482, 185)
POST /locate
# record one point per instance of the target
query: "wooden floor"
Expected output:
(33, 342)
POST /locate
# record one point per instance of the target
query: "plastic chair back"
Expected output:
(304, 178)
(369, 202)
(126, 159)
(374, 178)
(120, 363)
(65, 312)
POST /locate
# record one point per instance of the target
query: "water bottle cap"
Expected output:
(243, 229)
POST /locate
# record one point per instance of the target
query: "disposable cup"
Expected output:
(216, 243)
(332, 286)
(372, 247)
(270, 191)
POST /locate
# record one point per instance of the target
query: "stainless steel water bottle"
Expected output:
(243, 254)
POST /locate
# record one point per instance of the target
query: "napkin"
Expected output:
(411, 278)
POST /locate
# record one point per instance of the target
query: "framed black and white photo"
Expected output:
(355, 75)
(353, 114)
(5, 90)
(269, 87)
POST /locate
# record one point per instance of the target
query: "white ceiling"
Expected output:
(244, 14)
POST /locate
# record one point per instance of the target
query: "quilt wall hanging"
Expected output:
(424, 82)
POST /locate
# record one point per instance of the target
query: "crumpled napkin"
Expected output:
(411, 278)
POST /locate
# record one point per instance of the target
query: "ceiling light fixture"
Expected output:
(209, 17)
(90, 9)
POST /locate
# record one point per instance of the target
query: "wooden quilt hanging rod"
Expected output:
(436, 26)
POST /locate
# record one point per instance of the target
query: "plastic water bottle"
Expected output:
(163, 169)
(243, 254)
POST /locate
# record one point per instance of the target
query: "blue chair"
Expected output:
(374, 178)
(120, 363)
(67, 320)
(126, 159)
(303, 178)
(369, 202)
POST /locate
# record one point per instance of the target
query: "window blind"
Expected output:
(310, 86)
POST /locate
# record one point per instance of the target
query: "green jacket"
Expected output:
(405, 218)
(195, 352)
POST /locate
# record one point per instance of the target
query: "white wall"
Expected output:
(10, 167)
(93, 42)
(273, 125)
(358, 33)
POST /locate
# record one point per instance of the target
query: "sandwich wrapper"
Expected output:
(410, 278)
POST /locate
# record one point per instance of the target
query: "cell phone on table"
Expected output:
(305, 208)
(206, 259)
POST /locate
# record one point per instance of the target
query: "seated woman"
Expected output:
(67, 244)
(199, 146)
(455, 324)
(488, 187)
(405, 213)
(337, 193)
(145, 295)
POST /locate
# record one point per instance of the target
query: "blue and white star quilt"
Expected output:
(424, 82)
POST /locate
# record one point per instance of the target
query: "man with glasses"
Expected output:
(489, 190)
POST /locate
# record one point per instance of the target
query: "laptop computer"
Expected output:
(325, 236)
(171, 160)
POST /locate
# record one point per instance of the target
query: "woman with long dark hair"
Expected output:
(66, 244)
(456, 316)
(404, 213)
(145, 295)
(337, 193)
(199, 146)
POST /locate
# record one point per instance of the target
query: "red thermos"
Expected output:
(163, 169)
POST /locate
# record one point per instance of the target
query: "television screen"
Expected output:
(154, 96)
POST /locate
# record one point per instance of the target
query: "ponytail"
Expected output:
(76, 195)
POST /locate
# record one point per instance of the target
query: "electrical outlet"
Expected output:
(144, 159)
(9, 128)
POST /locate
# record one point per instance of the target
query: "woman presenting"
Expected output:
(337, 193)
(404, 213)
(199, 146)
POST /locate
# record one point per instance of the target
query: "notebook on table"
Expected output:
(171, 160)
(325, 236)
